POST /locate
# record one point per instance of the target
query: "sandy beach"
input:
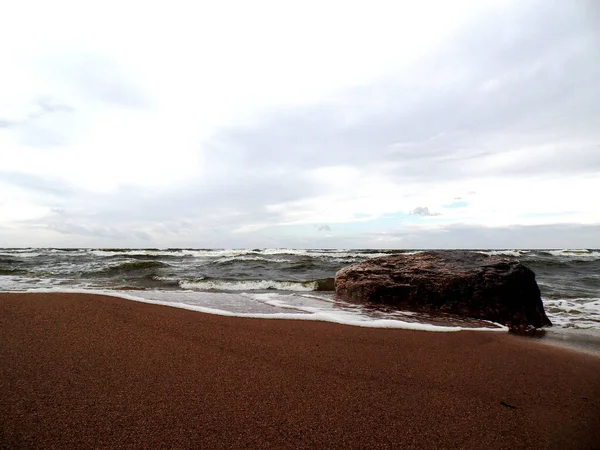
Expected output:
(87, 371)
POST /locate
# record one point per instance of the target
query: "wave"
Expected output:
(13, 272)
(8, 259)
(580, 313)
(277, 264)
(325, 284)
(136, 253)
(133, 266)
(578, 254)
(514, 253)
(328, 254)
(127, 250)
(20, 253)
(234, 259)
(333, 254)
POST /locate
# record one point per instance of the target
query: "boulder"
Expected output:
(464, 283)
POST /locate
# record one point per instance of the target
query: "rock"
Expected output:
(459, 282)
(325, 284)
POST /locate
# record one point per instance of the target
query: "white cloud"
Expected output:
(241, 123)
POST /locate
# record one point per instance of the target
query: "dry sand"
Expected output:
(84, 371)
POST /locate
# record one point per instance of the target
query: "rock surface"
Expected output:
(459, 282)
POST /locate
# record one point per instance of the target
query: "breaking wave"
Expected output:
(133, 266)
(512, 253)
(569, 279)
(580, 254)
(326, 284)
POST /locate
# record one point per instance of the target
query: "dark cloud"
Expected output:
(323, 227)
(423, 211)
(520, 79)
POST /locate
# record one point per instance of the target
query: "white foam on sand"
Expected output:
(269, 306)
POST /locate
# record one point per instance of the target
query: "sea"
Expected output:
(286, 283)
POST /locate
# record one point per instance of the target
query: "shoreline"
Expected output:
(579, 340)
(83, 370)
(433, 323)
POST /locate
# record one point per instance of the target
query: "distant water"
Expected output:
(283, 283)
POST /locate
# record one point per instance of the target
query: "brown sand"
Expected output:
(81, 371)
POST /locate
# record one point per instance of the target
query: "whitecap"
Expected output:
(248, 285)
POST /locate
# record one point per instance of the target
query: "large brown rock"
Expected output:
(464, 283)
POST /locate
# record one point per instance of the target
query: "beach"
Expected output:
(90, 371)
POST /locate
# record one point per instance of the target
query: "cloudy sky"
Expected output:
(374, 124)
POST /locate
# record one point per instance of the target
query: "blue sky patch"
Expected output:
(458, 204)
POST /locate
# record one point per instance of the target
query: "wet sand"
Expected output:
(575, 339)
(86, 371)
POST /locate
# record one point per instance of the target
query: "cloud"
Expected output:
(48, 106)
(423, 211)
(42, 107)
(40, 184)
(69, 228)
(5, 123)
(44, 124)
(482, 237)
(161, 139)
(100, 79)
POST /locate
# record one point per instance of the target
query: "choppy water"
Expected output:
(283, 283)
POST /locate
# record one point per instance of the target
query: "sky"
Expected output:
(300, 124)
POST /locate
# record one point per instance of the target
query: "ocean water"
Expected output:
(284, 283)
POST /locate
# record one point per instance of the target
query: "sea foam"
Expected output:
(269, 306)
(249, 285)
